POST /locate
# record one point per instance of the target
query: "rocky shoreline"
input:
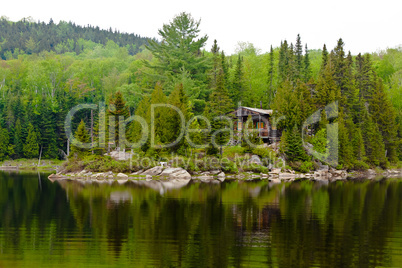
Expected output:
(161, 173)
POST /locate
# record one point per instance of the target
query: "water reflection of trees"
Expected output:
(230, 224)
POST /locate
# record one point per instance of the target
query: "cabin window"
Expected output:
(259, 125)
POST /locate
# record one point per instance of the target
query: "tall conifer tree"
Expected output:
(31, 146)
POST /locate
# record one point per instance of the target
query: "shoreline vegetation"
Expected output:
(31, 165)
(177, 170)
(261, 163)
(177, 176)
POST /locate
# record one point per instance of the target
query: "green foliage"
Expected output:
(41, 81)
(302, 166)
(195, 134)
(237, 88)
(293, 147)
(81, 136)
(374, 146)
(326, 90)
(180, 50)
(229, 167)
(4, 144)
(97, 163)
(385, 117)
(119, 112)
(31, 146)
(255, 168)
(286, 103)
(18, 139)
(360, 165)
(307, 166)
(176, 120)
(320, 141)
(345, 149)
(64, 37)
(220, 104)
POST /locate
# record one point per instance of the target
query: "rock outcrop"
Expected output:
(155, 171)
(175, 173)
(255, 159)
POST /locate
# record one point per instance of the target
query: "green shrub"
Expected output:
(267, 155)
(232, 151)
(98, 163)
(229, 167)
(360, 165)
(255, 168)
(306, 166)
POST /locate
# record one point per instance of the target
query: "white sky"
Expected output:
(364, 25)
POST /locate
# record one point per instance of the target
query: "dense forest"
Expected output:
(38, 87)
(29, 37)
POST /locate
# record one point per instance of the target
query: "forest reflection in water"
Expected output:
(234, 223)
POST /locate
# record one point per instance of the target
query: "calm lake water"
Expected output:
(233, 224)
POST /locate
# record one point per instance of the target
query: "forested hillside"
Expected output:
(29, 37)
(39, 87)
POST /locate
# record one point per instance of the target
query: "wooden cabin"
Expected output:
(262, 120)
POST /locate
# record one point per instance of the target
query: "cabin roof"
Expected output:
(261, 111)
(255, 110)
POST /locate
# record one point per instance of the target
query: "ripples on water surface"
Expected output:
(233, 224)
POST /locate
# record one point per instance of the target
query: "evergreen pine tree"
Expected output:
(225, 70)
(31, 146)
(294, 146)
(219, 105)
(181, 49)
(358, 144)
(196, 136)
(48, 138)
(324, 58)
(299, 58)
(341, 77)
(216, 61)
(81, 136)
(306, 66)
(323, 120)
(18, 142)
(384, 116)
(271, 70)
(326, 90)
(118, 108)
(286, 103)
(292, 73)
(179, 100)
(365, 77)
(236, 92)
(4, 144)
(345, 153)
(160, 120)
(373, 144)
(352, 107)
(283, 63)
(303, 95)
(135, 129)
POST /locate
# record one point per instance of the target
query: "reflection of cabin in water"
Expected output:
(262, 121)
